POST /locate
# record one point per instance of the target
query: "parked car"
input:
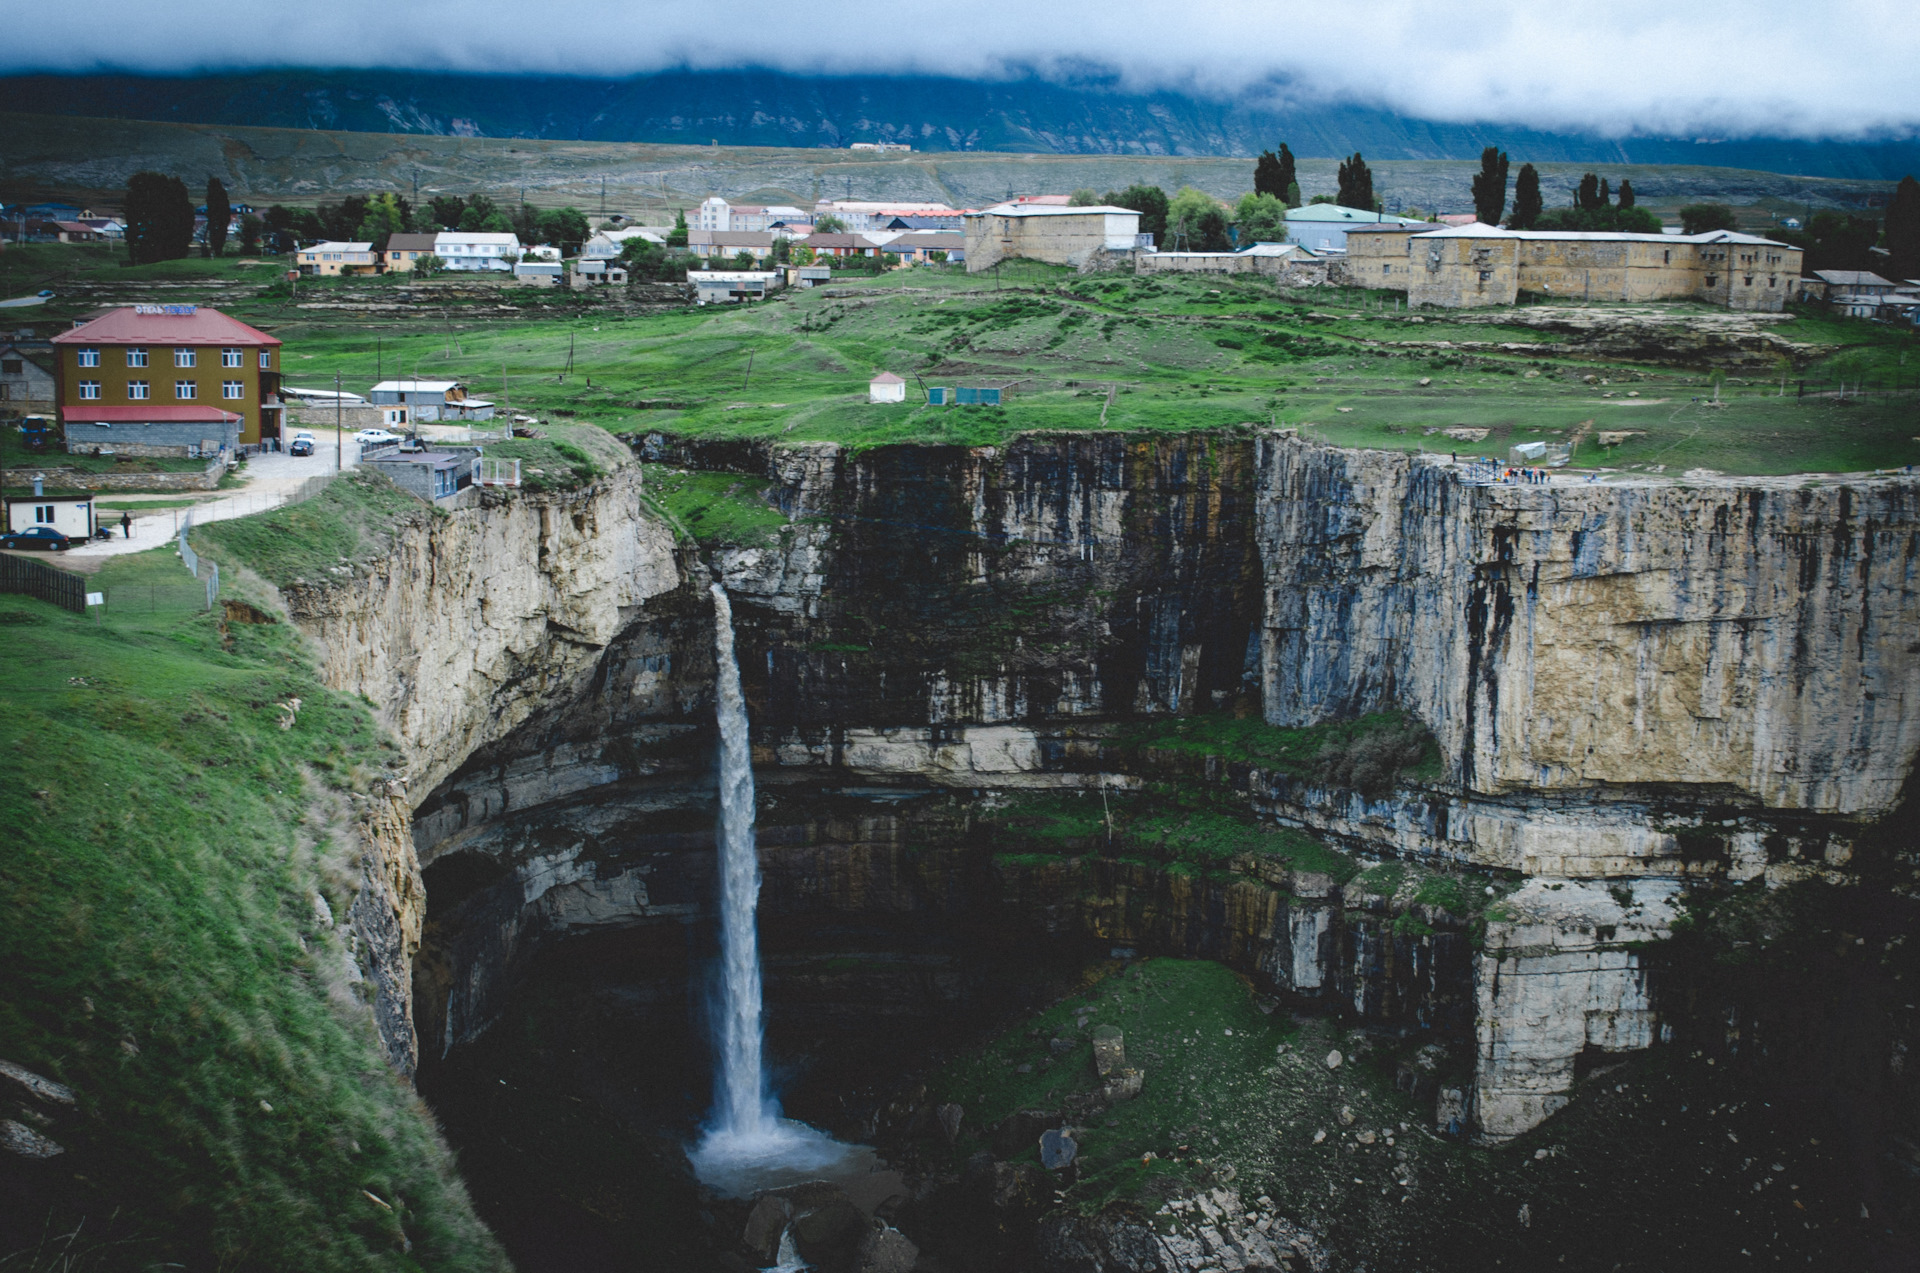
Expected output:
(302, 444)
(375, 437)
(45, 538)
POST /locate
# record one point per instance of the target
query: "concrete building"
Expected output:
(886, 387)
(1323, 227)
(608, 244)
(474, 250)
(1464, 266)
(26, 377)
(331, 258)
(1854, 293)
(724, 287)
(433, 475)
(429, 400)
(539, 273)
(165, 429)
(1377, 254)
(597, 274)
(809, 275)
(1050, 232)
(724, 245)
(1261, 258)
(915, 247)
(169, 363)
(403, 250)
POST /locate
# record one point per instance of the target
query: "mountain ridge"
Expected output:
(754, 107)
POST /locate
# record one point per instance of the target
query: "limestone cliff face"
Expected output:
(1752, 637)
(471, 623)
(474, 619)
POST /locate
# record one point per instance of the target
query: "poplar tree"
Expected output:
(1274, 174)
(1490, 186)
(219, 216)
(1356, 184)
(1626, 199)
(1903, 228)
(1587, 197)
(1526, 199)
(159, 218)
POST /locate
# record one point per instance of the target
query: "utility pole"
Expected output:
(338, 446)
(379, 362)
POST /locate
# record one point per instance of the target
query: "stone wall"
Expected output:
(1069, 239)
(72, 479)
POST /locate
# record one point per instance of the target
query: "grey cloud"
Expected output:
(1711, 67)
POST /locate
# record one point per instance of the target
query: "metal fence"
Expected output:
(36, 579)
(193, 563)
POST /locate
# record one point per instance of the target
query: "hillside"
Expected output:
(89, 159)
(937, 113)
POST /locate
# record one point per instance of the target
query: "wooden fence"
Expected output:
(34, 579)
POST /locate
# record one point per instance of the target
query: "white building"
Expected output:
(886, 387)
(608, 244)
(716, 214)
(863, 214)
(722, 287)
(475, 249)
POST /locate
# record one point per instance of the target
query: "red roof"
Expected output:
(187, 325)
(147, 415)
(887, 378)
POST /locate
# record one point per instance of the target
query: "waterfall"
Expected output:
(742, 1106)
(748, 1146)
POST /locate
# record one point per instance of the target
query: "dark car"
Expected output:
(302, 445)
(41, 537)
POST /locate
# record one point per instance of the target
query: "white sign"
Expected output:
(174, 311)
(96, 598)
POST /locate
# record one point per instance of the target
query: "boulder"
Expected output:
(765, 1223)
(886, 1250)
(1057, 1149)
(1109, 1049)
(1450, 1111)
(826, 1235)
(1333, 1059)
(1123, 1085)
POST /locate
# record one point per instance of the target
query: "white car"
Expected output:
(375, 437)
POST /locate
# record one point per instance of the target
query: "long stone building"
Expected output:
(1050, 232)
(1471, 265)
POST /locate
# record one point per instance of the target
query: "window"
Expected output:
(89, 390)
(1666, 257)
(136, 355)
(89, 358)
(266, 358)
(232, 388)
(43, 513)
(12, 367)
(183, 357)
(183, 390)
(137, 390)
(230, 358)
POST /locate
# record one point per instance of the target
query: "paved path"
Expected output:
(271, 478)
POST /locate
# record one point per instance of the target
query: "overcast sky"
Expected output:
(1687, 67)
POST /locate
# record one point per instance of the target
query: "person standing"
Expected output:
(126, 525)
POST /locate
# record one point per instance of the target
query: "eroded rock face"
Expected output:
(1750, 636)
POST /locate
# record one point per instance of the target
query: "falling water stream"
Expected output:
(748, 1146)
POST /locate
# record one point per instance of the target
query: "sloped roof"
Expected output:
(82, 413)
(165, 325)
(1853, 278)
(1052, 210)
(411, 242)
(886, 378)
(1334, 214)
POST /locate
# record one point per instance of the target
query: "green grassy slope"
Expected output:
(167, 960)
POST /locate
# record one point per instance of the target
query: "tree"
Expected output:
(429, 264)
(1903, 228)
(1261, 218)
(219, 216)
(1624, 220)
(1356, 184)
(566, 229)
(677, 237)
(250, 228)
(802, 254)
(1274, 174)
(159, 218)
(1834, 241)
(1627, 197)
(446, 210)
(1083, 198)
(1490, 186)
(1698, 218)
(1606, 193)
(643, 258)
(1184, 232)
(1211, 230)
(1321, 198)
(1587, 196)
(938, 256)
(782, 251)
(1150, 202)
(384, 219)
(828, 224)
(743, 260)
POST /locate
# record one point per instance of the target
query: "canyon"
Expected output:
(1638, 694)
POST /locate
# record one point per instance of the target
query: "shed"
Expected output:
(69, 512)
(725, 286)
(886, 387)
(432, 475)
(151, 429)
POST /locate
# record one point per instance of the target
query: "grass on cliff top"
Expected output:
(1176, 354)
(165, 959)
(347, 522)
(568, 457)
